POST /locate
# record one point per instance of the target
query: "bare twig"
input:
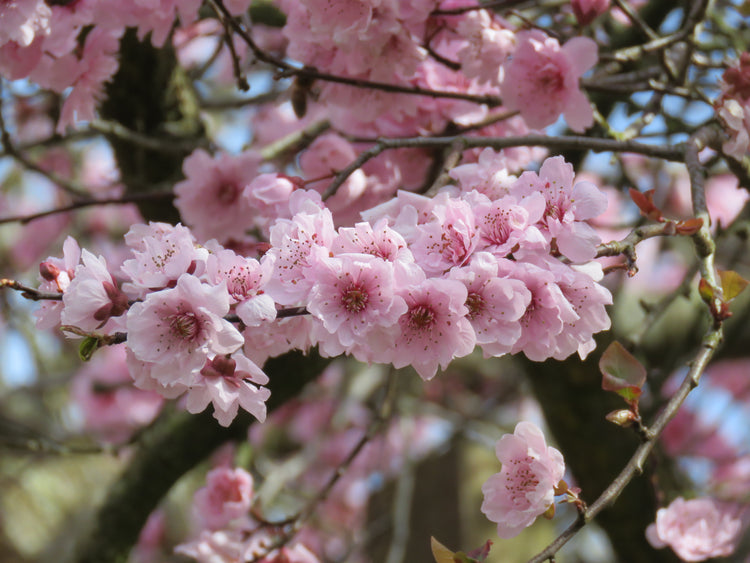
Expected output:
(314, 74)
(562, 142)
(83, 203)
(71, 188)
(30, 292)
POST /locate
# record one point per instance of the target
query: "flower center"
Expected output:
(550, 79)
(185, 326)
(421, 317)
(355, 299)
(227, 194)
(475, 304)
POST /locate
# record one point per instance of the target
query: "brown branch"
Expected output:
(705, 248)
(82, 203)
(635, 466)
(71, 188)
(562, 142)
(30, 292)
(311, 73)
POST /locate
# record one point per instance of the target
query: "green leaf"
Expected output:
(732, 284)
(622, 372)
(88, 346)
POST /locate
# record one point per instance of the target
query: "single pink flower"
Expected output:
(161, 254)
(112, 408)
(568, 207)
(93, 297)
(227, 495)
(525, 486)
(587, 10)
(541, 80)
(495, 303)
(697, 529)
(179, 328)
(211, 198)
(353, 294)
(434, 329)
(229, 383)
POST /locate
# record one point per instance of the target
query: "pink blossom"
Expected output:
(22, 20)
(97, 65)
(161, 254)
(547, 314)
(488, 175)
(525, 486)
(376, 239)
(229, 383)
(697, 529)
(353, 293)
(292, 246)
(507, 224)
(112, 408)
(210, 199)
(56, 275)
(245, 278)
(93, 298)
(495, 304)
(587, 300)
(587, 10)
(541, 80)
(489, 42)
(449, 236)
(179, 328)
(567, 207)
(434, 329)
(227, 495)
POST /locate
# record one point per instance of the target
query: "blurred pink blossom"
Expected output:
(697, 529)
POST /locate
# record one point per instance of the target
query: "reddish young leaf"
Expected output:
(645, 202)
(689, 226)
(706, 291)
(481, 553)
(622, 372)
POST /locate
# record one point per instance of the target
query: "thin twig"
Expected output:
(83, 203)
(71, 188)
(635, 465)
(562, 142)
(30, 292)
(312, 73)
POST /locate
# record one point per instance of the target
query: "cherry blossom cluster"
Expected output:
(391, 42)
(733, 107)
(422, 282)
(51, 46)
(172, 302)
